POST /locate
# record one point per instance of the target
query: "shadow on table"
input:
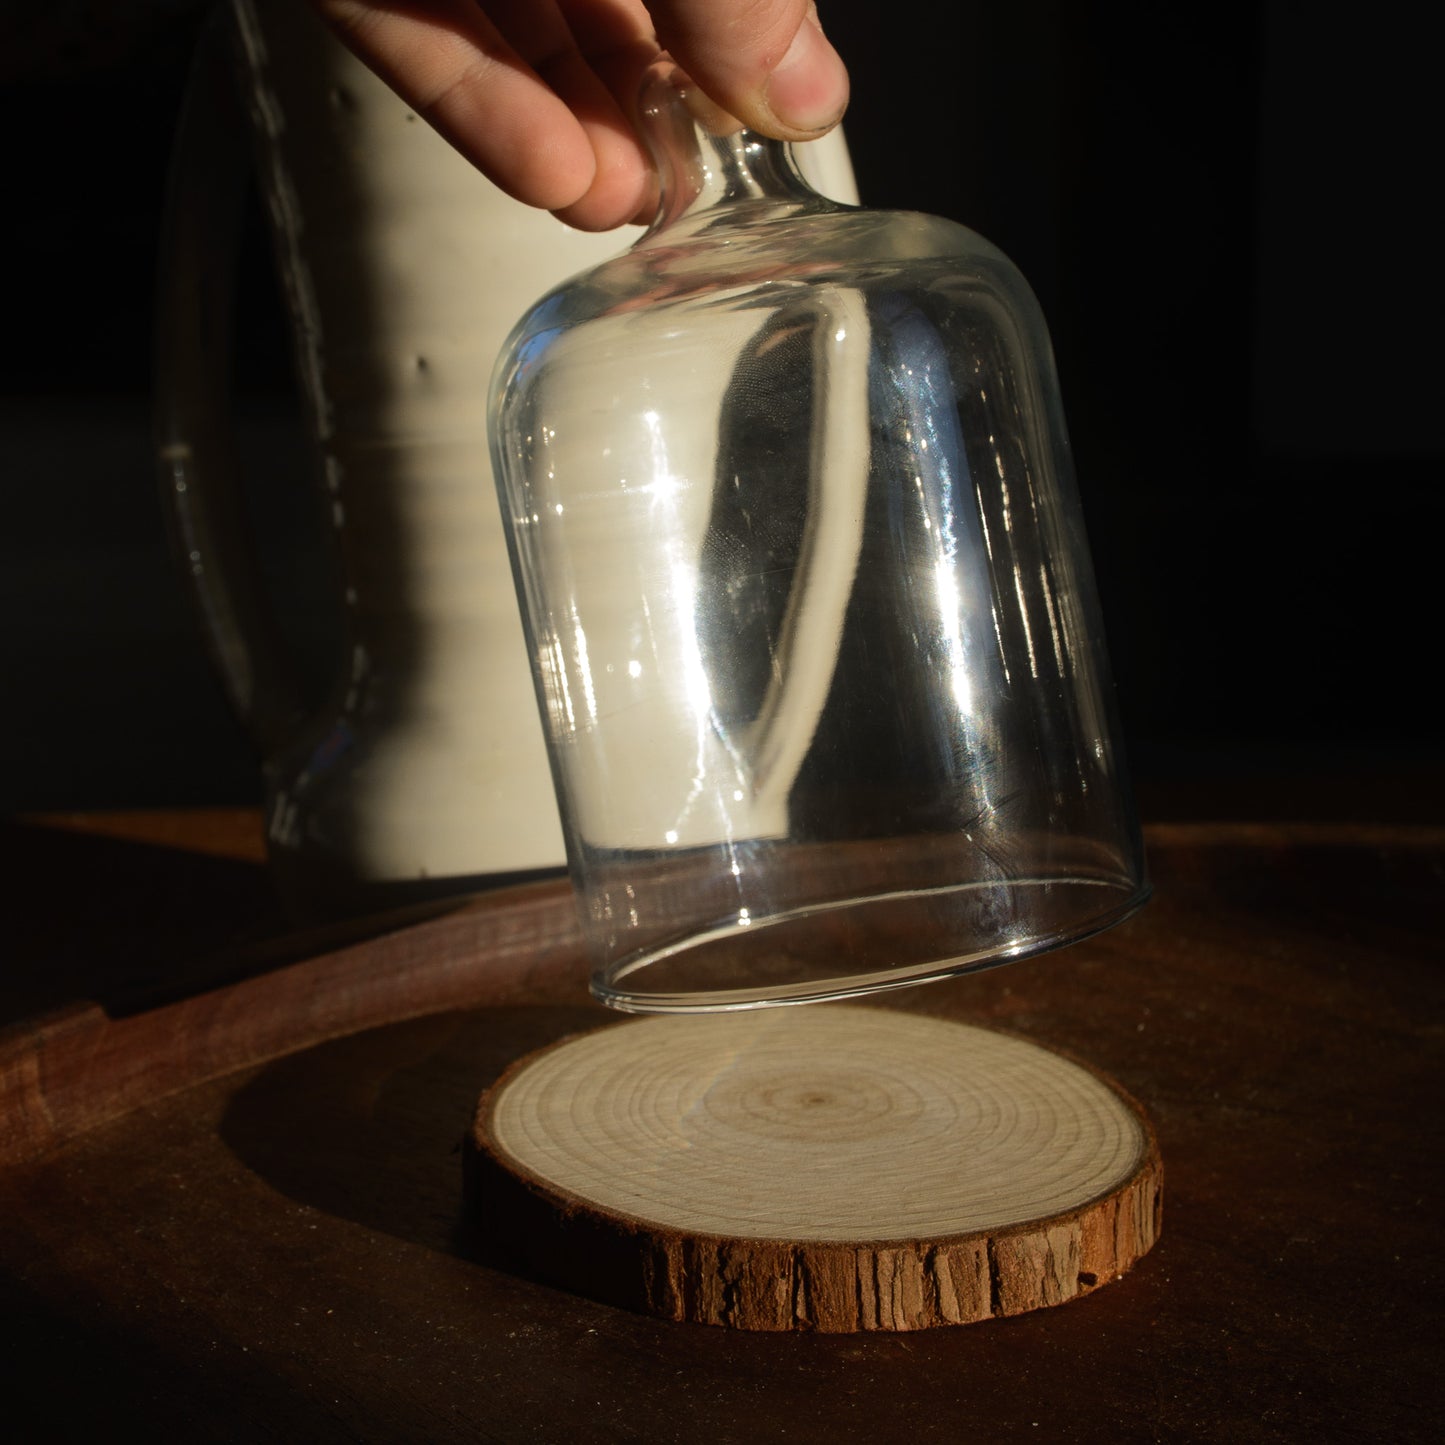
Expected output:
(118, 922)
(371, 1127)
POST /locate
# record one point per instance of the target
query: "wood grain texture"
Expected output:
(832, 1168)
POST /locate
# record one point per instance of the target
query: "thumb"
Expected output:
(766, 61)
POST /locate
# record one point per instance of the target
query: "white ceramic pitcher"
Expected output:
(403, 271)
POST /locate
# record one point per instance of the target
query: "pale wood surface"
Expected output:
(837, 1168)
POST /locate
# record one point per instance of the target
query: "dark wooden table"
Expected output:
(230, 1186)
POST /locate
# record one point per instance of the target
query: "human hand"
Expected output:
(539, 94)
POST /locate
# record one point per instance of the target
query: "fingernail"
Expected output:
(809, 89)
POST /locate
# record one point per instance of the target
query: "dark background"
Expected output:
(1223, 210)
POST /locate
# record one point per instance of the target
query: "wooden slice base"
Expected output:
(832, 1168)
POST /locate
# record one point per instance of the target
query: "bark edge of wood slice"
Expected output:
(835, 1168)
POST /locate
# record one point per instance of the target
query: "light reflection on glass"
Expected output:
(1024, 622)
(1055, 627)
(584, 667)
(949, 610)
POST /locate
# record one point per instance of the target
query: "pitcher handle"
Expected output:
(837, 496)
(194, 433)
